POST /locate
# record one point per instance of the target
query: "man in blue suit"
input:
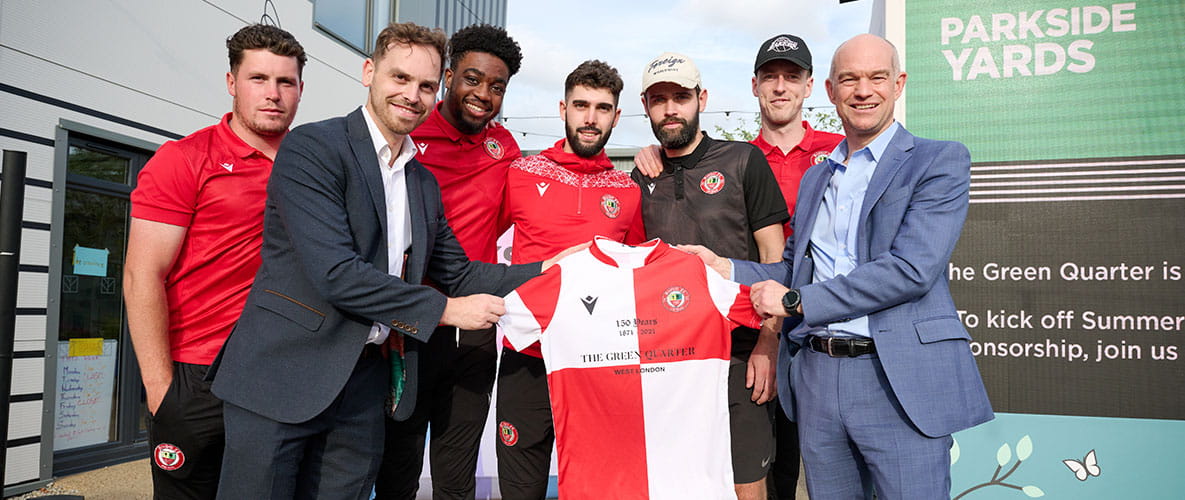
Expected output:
(882, 372)
(352, 227)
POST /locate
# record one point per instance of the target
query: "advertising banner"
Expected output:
(1070, 273)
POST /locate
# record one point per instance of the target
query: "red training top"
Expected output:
(471, 171)
(788, 168)
(214, 185)
(556, 200)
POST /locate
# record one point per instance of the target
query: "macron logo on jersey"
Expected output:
(423, 147)
(650, 186)
(542, 187)
(230, 167)
(589, 303)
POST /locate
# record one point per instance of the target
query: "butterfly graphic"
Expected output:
(1089, 466)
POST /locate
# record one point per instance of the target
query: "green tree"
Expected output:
(820, 118)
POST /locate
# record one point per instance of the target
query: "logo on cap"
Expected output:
(783, 44)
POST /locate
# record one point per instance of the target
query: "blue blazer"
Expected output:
(323, 282)
(911, 219)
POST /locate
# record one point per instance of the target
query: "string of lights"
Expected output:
(726, 113)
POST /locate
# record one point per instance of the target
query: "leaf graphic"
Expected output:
(1004, 454)
(1024, 448)
(1033, 491)
(954, 451)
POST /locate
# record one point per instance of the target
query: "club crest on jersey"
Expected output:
(507, 433)
(168, 457)
(675, 299)
(819, 157)
(610, 206)
(494, 148)
(712, 183)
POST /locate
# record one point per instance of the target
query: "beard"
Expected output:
(678, 138)
(262, 124)
(584, 150)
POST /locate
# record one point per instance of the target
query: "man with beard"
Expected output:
(468, 153)
(563, 196)
(193, 249)
(722, 195)
(353, 225)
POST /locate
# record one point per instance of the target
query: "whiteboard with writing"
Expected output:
(85, 392)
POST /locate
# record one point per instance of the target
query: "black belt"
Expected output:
(841, 347)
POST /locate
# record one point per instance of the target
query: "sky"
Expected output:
(720, 36)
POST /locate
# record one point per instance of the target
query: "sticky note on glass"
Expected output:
(90, 261)
(85, 347)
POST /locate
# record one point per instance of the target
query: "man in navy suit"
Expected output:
(882, 372)
(352, 227)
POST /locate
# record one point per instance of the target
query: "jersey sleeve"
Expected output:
(764, 203)
(166, 188)
(529, 309)
(732, 300)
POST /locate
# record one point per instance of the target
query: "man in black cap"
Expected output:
(781, 82)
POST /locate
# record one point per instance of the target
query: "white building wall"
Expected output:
(147, 70)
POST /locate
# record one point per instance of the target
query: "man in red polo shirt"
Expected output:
(193, 250)
(469, 154)
(781, 82)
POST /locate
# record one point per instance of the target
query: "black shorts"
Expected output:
(752, 425)
(186, 437)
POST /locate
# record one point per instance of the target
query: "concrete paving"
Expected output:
(133, 481)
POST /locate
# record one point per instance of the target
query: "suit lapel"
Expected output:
(810, 197)
(899, 150)
(367, 163)
(419, 229)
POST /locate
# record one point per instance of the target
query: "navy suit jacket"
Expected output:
(911, 219)
(323, 282)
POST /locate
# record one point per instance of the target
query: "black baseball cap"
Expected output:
(785, 47)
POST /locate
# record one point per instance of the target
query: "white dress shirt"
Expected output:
(395, 199)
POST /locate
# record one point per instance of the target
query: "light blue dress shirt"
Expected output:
(833, 240)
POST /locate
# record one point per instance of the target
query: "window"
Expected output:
(354, 22)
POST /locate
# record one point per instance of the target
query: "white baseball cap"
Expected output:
(671, 67)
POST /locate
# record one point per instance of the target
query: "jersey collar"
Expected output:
(605, 250)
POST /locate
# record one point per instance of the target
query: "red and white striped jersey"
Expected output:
(636, 341)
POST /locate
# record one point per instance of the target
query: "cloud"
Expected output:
(720, 36)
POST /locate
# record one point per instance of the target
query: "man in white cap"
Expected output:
(722, 195)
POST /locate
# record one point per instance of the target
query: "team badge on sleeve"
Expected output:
(610, 206)
(507, 433)
(712, 183)
(168, 457)
(675, 299)
(819, 157)
(494, 148)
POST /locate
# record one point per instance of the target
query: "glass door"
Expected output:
(100, 412)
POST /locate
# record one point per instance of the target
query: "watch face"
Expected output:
(790, 302)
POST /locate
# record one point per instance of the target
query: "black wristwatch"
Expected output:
(791, 301)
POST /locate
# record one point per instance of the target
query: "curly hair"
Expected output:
(595, 74)
(485, 38)
(265, 37)
(409, 34)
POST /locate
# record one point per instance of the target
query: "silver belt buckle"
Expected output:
(830, 349)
